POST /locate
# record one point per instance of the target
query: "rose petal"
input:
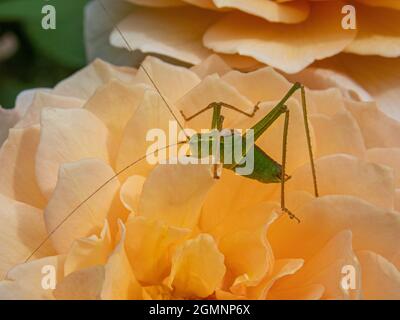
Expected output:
(378, 38)
(149, 246)
(290, 48)
(8, 118)
(347, 175)
(17, 167)
(89, 252)
(311, 292)
(85, 82)
(22, 229)
(67, 135)
(380, 278)
(85, 284)
(174, 32)
(325, 268)
(373, 228)
(394, 4)
(124, 100)
(213, 64)
(337, 134)
(378, 129)
(386, 156)
(197, 268)
(44, 100)
(289, 12)
(158, 3)
(77, 181)
(131, 191)
(175, 193)
(25, 281)
(120, 282)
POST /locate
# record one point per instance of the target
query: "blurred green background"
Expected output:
(33, 57)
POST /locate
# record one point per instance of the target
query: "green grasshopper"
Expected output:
(266, 170)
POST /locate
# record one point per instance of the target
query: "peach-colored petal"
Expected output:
(172, 81)
(311, 292)
(337, 134)
(44, 100)
(85, 284)
(213, 64)
(120, 282)
(89, 252)
(373, 228)
(25, 99)
(24, 282)
(114, 104)
(394, 4)
(378, 129)
(328, 102)
(17, 167)
(242, 230)
(197, 268)
(212, 89)
(325, 268)
(149, 246)
(22, 229)
(290, 48)
(378, 32)
(76, 182)
(67, 135)
(8, 118)
(347, 175)
(389, 157)
(131, 191)
(380, 79)
(151, 114)
(380, 278)
(289, 12)
(175, 193)
(282, 268)
(174, 32)
(85, 82)
(320, 79)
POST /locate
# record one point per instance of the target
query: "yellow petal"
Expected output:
(213, 64)
(67, 135)
(289, 12)
(290, 48)
(157, 3)
(378, 32)
(378, 129)
(386, 156)
(175, 193)
(8, 118)
(89, 252)
(197, 268)
(85, 284)
(337, 134)
(152, 114)
(85, 82)
(22, 229)
(173, 32)
(380, 278)
(149, 246)
(120, 282)
(311, 292)
(172, 81)
(114, 104)
(373, 228)
(347, 175)
(382, 3)
(25, 281)
(77, 181)
(131, 191)
(325, 268)
(44, 100)
(17, 167)
(380, 79)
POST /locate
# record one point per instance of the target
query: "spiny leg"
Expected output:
(310, 150)
(283, 178)
(212, 105)
(217, 123)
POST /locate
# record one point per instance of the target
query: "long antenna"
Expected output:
(129, 48)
